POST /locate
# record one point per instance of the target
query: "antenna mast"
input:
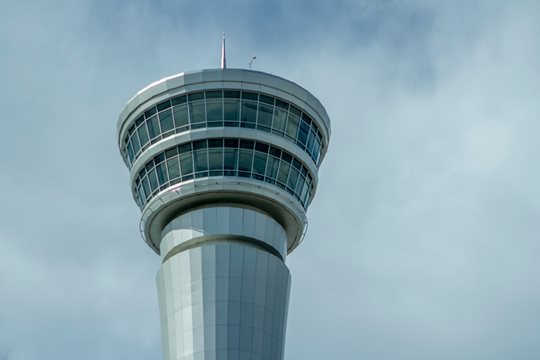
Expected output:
(223, 59)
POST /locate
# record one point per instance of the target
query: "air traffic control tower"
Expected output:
(223, 164)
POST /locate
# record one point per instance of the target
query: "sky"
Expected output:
(424, 235)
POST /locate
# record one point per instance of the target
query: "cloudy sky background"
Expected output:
(424, 237)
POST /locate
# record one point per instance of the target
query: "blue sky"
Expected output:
(424, 236)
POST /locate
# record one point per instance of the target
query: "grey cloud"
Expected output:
(423, 237)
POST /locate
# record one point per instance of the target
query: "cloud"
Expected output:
(422, 241)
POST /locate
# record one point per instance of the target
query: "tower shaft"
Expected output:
(223, 286)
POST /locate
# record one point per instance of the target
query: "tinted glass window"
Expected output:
(303, 134)
(143, 134)
(153, 127)
(201, 160)
(179, 100)
(259, 163)
(280, 121)
(196, 112)
(174, 168)
(166, 120)
(292, 126)
(214, 110)
(136, 143)
(181, 119)
(231, 110)
(272, 167)
(231, 94)
(264, 119)
(250, 95)
(210, 158)
(249, 114)
(186, 164)
(230, 159)
(196, 96)
(161, 171)
(215, 158)
(245, 160)
(283, 172)
(214, 94)
(223, 108)
(164, 105)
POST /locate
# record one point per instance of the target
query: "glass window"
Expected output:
(247, 144)
(184, 148)
(283, 172)
(286, 157)
(305, 193)
(296, 111)
(153, 180)
(264, 118)
(214, 112)
(130, 152)
(171, 152)
(282, 104)
(310, 142)
(223, 157)
(233, 143)
(259, 165)
(245, 160)
(224, 108)
(293, 178)
(146, 186)
(159, 158)
(280, 120)
(148, 113)
(249, 114)
(149, 165)
(196, 114)
(292, 127)
(215, 143)
(231, 110)
(262, 147)
(200, 158)
(272, 167)
(275, 151)
(174, 168)
(153, 127)
(162, 174)
(214, 94)
(196, 96)
(230, 157)
(143, 135)
(164, 105)
(186, 164)
(250, 95)
(215, 161)
(231, 94)
(316, 149)
(142, 196)
(166, 121)
(266, 99)
(299, 184)
(181, 119)
(200, 144)
(303, 133)
(178, 100)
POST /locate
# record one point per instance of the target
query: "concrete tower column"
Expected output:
(223, 286)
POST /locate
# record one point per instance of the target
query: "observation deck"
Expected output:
(223, 136)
